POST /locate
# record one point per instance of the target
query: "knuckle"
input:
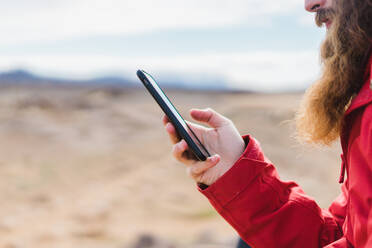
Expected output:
(169, 128)
(175, 150)
(193, 174)
(195, 170)
(210, 110)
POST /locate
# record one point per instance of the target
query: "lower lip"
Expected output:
(328, 24)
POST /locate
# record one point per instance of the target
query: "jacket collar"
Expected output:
(365, 94)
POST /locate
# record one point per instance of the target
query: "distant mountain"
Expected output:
(193, 82)
(25, 77)
(18, 76)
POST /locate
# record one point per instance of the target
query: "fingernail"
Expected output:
(213, 158)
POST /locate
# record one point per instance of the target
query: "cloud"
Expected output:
(40, 20)
(260, 70)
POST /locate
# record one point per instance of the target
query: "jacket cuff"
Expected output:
(241, 174)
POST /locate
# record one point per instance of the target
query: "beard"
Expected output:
(344, 54)
(324, 15)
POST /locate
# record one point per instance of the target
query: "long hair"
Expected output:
(344, 54)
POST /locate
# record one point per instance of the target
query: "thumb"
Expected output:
(209, 117)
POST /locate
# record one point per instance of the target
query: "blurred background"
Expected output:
(84, 159)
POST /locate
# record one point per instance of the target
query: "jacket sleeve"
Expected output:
(267, 212)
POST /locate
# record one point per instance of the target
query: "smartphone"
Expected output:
(184, 131)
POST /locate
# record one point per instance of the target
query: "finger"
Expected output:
(198, 130)
(209, 116)
(172, 133)
(199, 168)
(179, 150)
(165, 119)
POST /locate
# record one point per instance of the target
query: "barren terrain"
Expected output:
(83, 167)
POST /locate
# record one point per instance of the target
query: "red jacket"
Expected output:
(267, 212)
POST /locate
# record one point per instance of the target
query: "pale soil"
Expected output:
(92, 168)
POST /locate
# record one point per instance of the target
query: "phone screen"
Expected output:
(165, 98)
(174, 111)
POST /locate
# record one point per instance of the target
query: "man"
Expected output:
(243, 185)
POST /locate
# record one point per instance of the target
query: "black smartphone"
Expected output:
(184, 131)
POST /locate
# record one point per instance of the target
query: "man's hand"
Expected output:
(221, 139)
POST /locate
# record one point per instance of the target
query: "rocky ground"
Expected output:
(91, 167)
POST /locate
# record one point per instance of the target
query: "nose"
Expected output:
(314, 5)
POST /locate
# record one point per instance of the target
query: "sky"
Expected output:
(261, 45)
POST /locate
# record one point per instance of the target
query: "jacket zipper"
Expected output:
(343, 168)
